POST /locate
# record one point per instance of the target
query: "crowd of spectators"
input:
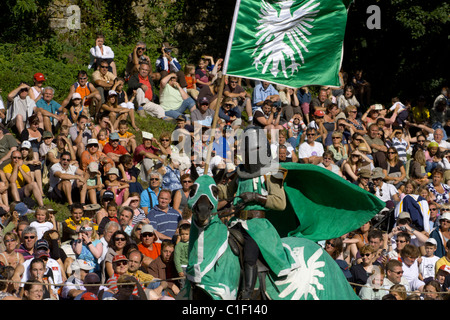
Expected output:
(127, 190)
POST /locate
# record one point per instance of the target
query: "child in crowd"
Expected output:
(126, 138)
(180, 256)
(189, 74)
(102, 138)
(410, 255)
(427, 267)
(44, 221)
(47, 145)
(120, 189)
(94, 182)
(111, 209)
(133, 202)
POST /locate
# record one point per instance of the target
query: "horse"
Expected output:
(214, 268)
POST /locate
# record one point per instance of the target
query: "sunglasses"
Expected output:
(29, 237)
(121, 263)
(400, 241)
(187, 181)
(104, 67)
(9, 240)
(165, 140)
(398, 272)
(147, 234)
(233, 82)
(445, 209)
(330, 244)
(366, 255)
(154, 179)
(311, 134)
(336, 138)
(17, 157)
(65, 159)
(119, 239)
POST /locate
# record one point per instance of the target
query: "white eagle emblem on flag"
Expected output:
(280, 33)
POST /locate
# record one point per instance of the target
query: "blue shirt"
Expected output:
(164, 222)
(260, 94)
(51, 107)
(145, 199)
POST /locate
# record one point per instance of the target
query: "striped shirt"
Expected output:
(401, 146)
(164, 222)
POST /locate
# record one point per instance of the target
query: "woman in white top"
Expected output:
(35, 92)
(10, 257)
(101, 52)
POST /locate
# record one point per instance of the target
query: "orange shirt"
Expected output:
(155, 253)
(190, 82)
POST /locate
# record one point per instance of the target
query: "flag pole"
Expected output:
(214, 124)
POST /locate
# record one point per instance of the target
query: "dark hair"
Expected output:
(82, 73)
(112, 242)
(76, 205)
(185, 226)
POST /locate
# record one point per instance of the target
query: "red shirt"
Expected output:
(148, 93)
(137, 157)
(119, 150)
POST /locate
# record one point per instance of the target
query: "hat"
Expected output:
(76, 95)
(93, 166)
(26, 145)
(378, 106)
(445, 268)
(39, 76)
(445, 216)
(147, 228)
(181, 118)
(80, 264)
(41, 253)
(91, 277)
(433, 144)
(363, 147)
(108, 195)
(92, 207)
(377, 173)
(404, 215)
(114, 136)
(112, 93)
(365, 173)
(41, 243)
(432, 241)
(319, 113)
(47, 134)
(204, 100)
(21, 208)
(113, 171)
(92, 141)
(147, 135)
(119, 257)
(88, 296)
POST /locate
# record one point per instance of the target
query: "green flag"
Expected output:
(292, 43)
(321, 205)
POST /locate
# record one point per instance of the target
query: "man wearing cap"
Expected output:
(120, 267)
(149, 247)
(67, 181)
(49, 110)
(174, 100)
(93, 154)
(203, 115)
(21, 184)
(143, 84)
(442, 233)
(53, 269)
(317, 123)
(147, 155)
(230, 112)
(103, 79)
(166, 64)
(310, 151)
(20, 107)
(113, 149)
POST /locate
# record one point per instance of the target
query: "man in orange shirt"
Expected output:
(148, 247)
(92, 153)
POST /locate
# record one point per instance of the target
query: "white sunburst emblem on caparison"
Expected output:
(278, 31)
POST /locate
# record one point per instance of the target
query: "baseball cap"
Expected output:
(204, 100)
(92, 141)
(81, 264)
(21, 208)
(181, 118)
(93, 166)
(47, 134)
(432, 241)
(378, 106)
(41, 253)
(114, 136)
(108, 195)
(319, 113)
(147, 135)
(76, 95)
(119, 257)
(404, 215)
(39, 76)
(41, 243)
(112, 93)
(25, 145)
(445, 216)
(113, 171)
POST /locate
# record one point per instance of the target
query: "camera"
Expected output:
(402, 229)
(371, 187)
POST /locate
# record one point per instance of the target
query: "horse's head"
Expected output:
(203, 200)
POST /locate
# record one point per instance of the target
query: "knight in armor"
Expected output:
(257, 186)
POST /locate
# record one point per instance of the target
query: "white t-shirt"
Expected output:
(411, 273)
(387, 191)
(41, 228)
(58, 168)
(306, 150)
(428, 266)
(51, 264)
